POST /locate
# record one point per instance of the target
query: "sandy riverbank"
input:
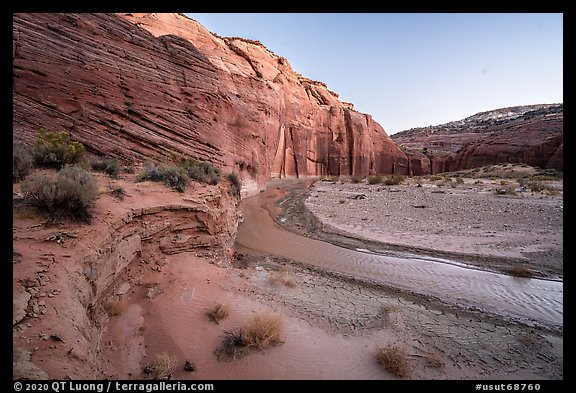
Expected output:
(332, 324)
(467, 220)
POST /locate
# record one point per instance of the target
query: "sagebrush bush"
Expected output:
(21, 162)
(356, 179)
(55, 149)
(394, 180)
(70, 196)
(375, 179)
(204, 172)
(171, 175)
(236, 185)
(107, 165)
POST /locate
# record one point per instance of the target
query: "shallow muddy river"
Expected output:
(525, 299)
(332, 325)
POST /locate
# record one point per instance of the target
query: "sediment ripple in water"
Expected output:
(526, 299)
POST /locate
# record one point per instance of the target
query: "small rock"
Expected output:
(124, 288)
(189, 366)
(56, 337)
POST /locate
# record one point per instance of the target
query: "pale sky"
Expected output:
(414, 70)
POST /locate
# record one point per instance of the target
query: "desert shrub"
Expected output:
(171, 175)
(394, 360)
(329, 178)
(282, 277)
(394, 180)
(506, 190)
(55, 149)
(520, 271)
(174, 177)
(151, 172)
(162, 367)
(356, 179)
(107, 165)
(218, 312)
(21, 162)
(375, 179)
(261, 331)
(539, 186)
(114, 307)
(69, 196)
(434, 361)
(117, 192)
(236, 185)
(545, 177)
(204, 172)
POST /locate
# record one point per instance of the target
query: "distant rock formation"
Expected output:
(530, 134)
(161, 86)
(142, 86)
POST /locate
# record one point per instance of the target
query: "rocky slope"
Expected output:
(64, 276)
(531, 134)
(141, 86)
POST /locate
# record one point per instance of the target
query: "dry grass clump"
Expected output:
(394, 360)
(434, 361)
(282, 277)
(375, 179)
(538, 186)
(261, 331)
(356, 179)
(114, 307)
(506, 190)
(218, 313)
(162, 367)
(394, 180)
(520, 271)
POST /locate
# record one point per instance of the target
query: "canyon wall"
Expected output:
(161, 86)
(531, 134)
(61, 288)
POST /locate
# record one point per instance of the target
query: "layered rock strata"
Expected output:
(142, 86)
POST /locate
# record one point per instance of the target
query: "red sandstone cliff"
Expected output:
(530, 134)
(140, 86)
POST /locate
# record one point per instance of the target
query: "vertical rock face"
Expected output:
(141, 86)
